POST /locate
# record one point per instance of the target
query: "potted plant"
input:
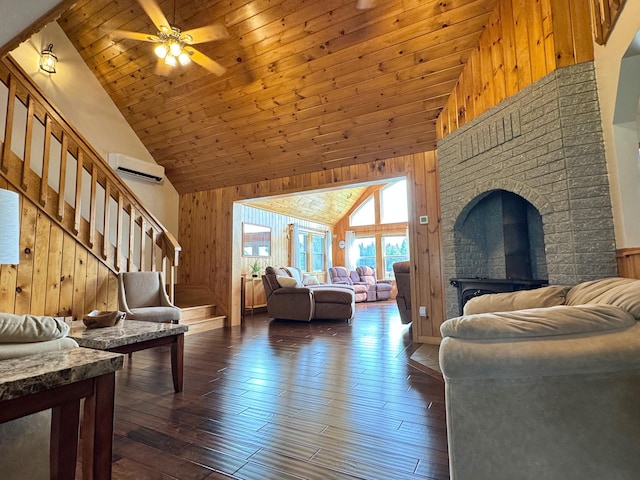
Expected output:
(255, 268)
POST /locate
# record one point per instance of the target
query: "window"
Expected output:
(365, 249)
(312, 252)
(395, 249)
(393, 203)
(302, 250)
(317, 253)
(365, 215)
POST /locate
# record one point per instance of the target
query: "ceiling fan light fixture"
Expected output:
(161, 50)
(184, 58)
(175, 48)
(170, 60)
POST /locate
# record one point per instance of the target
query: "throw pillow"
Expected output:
(30, 328)
(285, 281)
(311, 280)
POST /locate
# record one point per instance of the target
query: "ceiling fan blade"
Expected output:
(145, 37)
(209, 33)
(154, 12)
(206, 62)
(365, 4)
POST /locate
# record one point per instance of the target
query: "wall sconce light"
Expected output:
(10, 233)
(48, 60)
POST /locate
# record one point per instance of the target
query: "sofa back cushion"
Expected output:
(276, 271)
(520, 300)
(340, 274)
(310, 280)
(367, 275)
(538, 322)
(619, 292)
(294, 272)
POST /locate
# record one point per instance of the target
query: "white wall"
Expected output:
(618, 95)
(17, 16)
(80, 97)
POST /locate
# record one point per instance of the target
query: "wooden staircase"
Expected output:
(198, 309)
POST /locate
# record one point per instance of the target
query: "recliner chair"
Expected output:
(342, 276)
(403, 284)
(383, 287)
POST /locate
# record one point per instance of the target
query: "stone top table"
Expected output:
(59, 380)
(43, 371)
(134, 335)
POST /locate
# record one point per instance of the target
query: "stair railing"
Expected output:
(46, 159)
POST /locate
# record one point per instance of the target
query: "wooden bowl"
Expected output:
(100, 318)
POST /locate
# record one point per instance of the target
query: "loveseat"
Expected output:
(288, 299)
(24, 442)
(545, 384)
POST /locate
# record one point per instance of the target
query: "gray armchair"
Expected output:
(142, 296)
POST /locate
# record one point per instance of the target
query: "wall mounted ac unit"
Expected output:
(134, 168)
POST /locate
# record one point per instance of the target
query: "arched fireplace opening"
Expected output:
(499, 246)
(501, 236)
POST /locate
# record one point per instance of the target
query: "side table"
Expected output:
(59, 380)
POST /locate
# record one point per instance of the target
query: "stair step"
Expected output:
(198, 312)
(202, 325)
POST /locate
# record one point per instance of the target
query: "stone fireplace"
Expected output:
(524, 188)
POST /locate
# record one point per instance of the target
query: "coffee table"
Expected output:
(133, 336)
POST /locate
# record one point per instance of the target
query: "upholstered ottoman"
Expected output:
(334, 302)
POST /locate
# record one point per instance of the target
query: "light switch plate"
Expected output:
(424, 220)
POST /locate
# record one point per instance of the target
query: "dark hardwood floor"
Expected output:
(284, 400)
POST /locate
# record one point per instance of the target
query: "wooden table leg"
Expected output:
(65, 419)
(177, 362)
(97, 430)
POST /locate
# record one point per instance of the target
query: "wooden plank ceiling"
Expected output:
(309, 84)
(326, 207)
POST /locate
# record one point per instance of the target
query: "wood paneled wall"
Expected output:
(210, 231)
(58, 276)
(628, 262)
(525, 40)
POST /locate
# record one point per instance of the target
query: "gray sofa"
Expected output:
(288, 299)
(545, 384)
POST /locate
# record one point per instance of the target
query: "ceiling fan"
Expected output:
(175, 46)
